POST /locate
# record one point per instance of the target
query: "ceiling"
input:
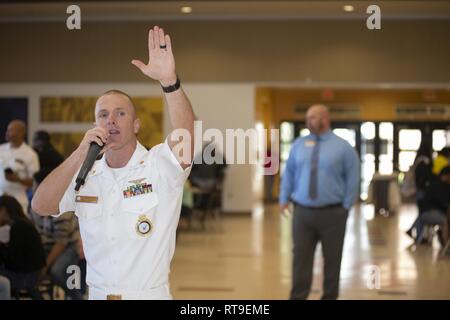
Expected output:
(222, 10)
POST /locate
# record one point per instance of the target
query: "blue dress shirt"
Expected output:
(337, 176)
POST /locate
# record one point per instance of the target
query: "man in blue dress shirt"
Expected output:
(321, 178)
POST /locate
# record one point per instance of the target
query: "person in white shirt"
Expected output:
(129, 206)
(18, 163)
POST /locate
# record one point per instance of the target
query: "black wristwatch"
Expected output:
(173, 87)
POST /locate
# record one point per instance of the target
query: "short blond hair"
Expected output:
(117, 91)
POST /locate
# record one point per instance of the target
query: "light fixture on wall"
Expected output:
(186, 9)
(349, 8)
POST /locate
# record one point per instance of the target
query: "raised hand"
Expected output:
(161, 63)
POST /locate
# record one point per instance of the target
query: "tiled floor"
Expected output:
(249, 257)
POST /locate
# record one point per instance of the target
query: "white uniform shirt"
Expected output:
(24, 162)
(129, 239)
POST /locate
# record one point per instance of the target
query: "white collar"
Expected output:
(136, 160)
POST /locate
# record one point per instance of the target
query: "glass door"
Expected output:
(386, 148)
(347, 133)
(408, 144)
(441, 139)
(368, 134)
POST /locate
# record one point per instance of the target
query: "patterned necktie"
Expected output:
(313, 173)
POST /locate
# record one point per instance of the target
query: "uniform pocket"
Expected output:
(88, 211)
(140, 204)
(90, 221)
(140, 214)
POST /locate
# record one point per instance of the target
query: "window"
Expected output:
(368, 131)
(409, 142)
(386, 134)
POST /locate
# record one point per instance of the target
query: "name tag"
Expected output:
(310, 143)
(86, 199)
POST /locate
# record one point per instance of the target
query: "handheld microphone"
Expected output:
(94, 150)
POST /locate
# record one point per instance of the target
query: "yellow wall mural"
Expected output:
(80, 110)
(67, 109)
(150, 111)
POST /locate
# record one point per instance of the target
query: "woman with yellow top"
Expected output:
(441, 160)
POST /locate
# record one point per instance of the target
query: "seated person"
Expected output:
(60, 237)
(436, 202)
(441, 160)
(208, 175)
(22, 255)
(49, 157)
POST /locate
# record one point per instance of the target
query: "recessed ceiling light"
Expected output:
(348, 8)
(186, 9)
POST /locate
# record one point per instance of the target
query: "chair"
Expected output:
(45, 289)
(213, 205)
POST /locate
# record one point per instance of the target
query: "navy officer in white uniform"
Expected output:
(129, 206)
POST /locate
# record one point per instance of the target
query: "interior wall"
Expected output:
(229, 106)
(231, 51)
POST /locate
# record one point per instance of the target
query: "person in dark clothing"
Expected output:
(60, 236)
(49, 157)
(436, 203)
(422, 176)
(22, 256)
(208, 174)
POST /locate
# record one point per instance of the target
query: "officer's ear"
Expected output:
(136, 125)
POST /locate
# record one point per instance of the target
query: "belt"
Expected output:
(157, 293)
(328, 206)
